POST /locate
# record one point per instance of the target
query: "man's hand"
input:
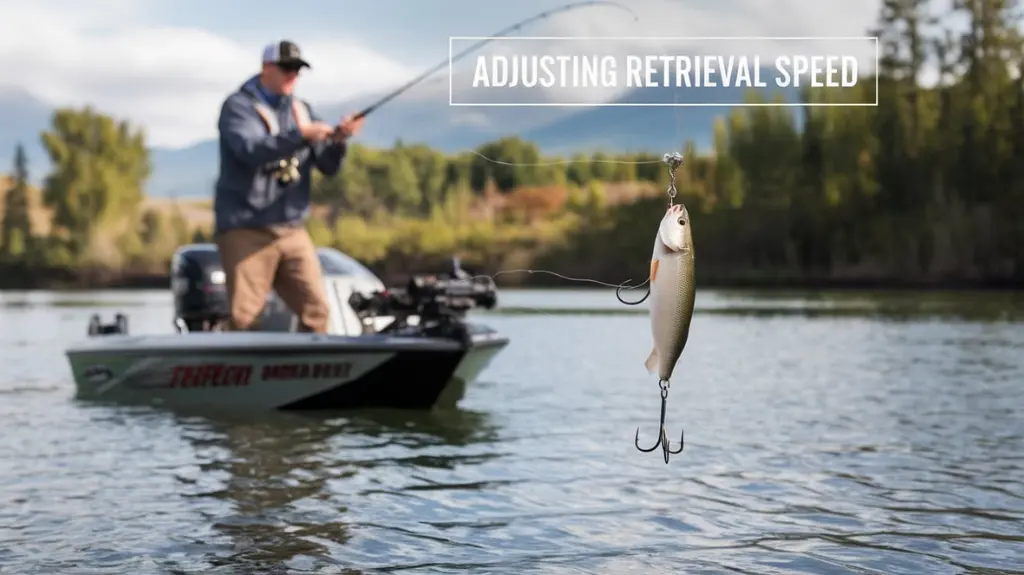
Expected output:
(348, 128)
(317, 131)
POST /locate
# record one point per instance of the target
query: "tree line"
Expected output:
(413, 180)
(927, 187)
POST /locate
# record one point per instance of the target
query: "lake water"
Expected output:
(826, 433)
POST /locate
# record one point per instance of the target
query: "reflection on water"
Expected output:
(888, 440)
(281, 473)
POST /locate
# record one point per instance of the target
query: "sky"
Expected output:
(168, 64)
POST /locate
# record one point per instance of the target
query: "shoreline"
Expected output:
(97, 280)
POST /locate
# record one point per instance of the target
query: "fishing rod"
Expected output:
(448, 61)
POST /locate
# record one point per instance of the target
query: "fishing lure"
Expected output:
(672, 289)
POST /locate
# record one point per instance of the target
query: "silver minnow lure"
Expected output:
(672, 293)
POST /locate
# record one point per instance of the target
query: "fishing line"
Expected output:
(499, 34)
(624, 285)
(565, 277)
(566, 162)
(673, 161)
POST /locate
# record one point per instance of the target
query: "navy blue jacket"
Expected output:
(248, 195)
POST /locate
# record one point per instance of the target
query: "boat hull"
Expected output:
(281, 371)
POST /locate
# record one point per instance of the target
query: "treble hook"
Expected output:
(663, 435)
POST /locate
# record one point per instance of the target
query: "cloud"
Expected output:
(118, 56)
(171, 80)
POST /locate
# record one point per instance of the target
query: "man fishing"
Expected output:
(270, 141)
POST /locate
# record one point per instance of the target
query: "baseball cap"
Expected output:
(285, 53)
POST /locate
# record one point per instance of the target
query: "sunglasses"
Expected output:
(290, 68)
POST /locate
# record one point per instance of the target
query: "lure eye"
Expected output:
(681, 221)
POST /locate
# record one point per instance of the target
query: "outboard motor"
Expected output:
(197, 281)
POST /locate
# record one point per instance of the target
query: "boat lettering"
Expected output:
(306, 371)
(210, 375)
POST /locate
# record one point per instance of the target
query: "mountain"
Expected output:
(23, 117)
(625, 128)
(191, 171)
(427, 117)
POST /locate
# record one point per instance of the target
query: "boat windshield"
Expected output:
(336, 263)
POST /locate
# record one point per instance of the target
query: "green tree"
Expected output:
(431, 169)
(579, 171)
(153, 227)
(603, 167)
(16, 230)
(510, 162)
(319, 232)
(100, 169)
(399, 188)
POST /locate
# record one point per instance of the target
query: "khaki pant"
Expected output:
(284, 258)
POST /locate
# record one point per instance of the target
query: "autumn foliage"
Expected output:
(534, 202)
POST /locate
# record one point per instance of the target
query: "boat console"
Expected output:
(429, 305)
(438, 304)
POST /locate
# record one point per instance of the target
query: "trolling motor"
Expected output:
(118, 327)
(439, 302)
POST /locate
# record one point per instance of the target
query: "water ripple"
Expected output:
(819, 442)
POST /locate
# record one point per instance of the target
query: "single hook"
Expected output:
(663, 435)
(637, 302)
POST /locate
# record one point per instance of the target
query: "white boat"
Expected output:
(405, 348)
